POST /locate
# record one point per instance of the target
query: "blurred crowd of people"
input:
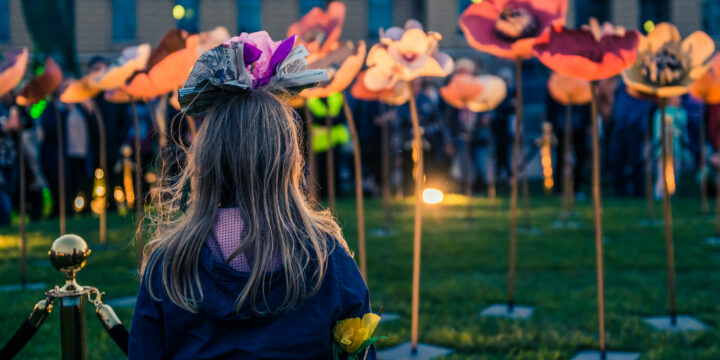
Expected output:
(461, 147)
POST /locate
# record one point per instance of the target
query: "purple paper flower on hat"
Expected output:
(262, 55)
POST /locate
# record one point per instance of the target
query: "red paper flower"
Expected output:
(707, 87)
(477, 94)
(343, 65)
(12, 69)
(509, 28)
(320, 30)
(41, 86)
(568, 90)
(591, 53)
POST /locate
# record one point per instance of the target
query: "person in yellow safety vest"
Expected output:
(321, 109)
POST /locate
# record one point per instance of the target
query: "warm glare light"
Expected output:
(649, 26)
(432, 196)
(119, 194)
(100, 191)
(178, 12)
(79, 203)
(99, 173)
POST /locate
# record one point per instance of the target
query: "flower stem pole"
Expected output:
(492, 193)
(102, 134)
(312, 189)
(385, 172)
(23, 192)
(419, 184)
(514, 183)
(597, 207)
(649, 206)
(357, 157)
(139, 200)
(704, 206)
(330, 164)
(467, 159)
(568, 184)
(62, 204)
(667, 212)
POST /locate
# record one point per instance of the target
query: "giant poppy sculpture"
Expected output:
(591, 53)
(401, 56)
(12, 69)
(508, 29)
(35, 91)
(666, 66)
(707, 89)
(477, 94)
(319, 31)
(568, 91)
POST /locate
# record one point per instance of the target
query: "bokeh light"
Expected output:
(432, 196)
(178, 12)
(79, 203)
(649, 26)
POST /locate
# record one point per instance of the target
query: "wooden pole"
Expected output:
(139, 199)
(23, 200)
(103, 166)
(514, 185)
(359, 202)
(330, 164)
(385, 172)
(311, 185)
(665, 125)
(568, 184)
(467, 159)
(61, 171)
(704, 205)
(649, 206)
(417, 231)
(492, 192)
(597, 212)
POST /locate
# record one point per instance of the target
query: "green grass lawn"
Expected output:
(464, 270)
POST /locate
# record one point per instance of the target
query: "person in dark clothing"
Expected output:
(555, 114)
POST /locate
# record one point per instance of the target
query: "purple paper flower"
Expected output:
(262, 55)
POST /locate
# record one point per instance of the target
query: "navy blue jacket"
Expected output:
(162, 330)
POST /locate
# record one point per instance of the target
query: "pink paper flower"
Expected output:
(404, 55)
(263, 55)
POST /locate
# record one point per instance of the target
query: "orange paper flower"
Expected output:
(12, 69)
(319, 31)
(343, 65)
(707, 87)
(396, 95)
(41, 86)
(167, 74)
(593, 52)
(404, 55)
(666, 65)
(132, 60)
(477, 94)
(509, 28)
(568, 90)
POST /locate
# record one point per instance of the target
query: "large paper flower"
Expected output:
(41, 86)
(171, 42)
(593, 52)
(167, 74)
(343, 65)
(12, 69)
(320, 30)
(131, 60)
(352, 333)
(508, 28)
(396, 95)
(666, 65)
(477, 94)
(707, 87)
(80, 90)
(568, 90)
(212, 38)
(404, 55)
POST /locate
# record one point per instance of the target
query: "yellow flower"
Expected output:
(351, 333)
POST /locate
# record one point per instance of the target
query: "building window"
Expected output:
(653, 12)
(186, 12)
(123, 20)
(307, 5)
(380, 15)
(4, 20)
(585, 9)
(710, 14)
(249, 19)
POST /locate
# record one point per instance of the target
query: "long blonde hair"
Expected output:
(246, 154)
